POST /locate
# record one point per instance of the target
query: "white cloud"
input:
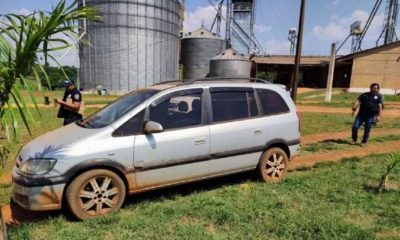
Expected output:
(202, 15)
(276, 47)
(336, 2)
(339, 28)
(332, 32)
(261, 28)
(23, 11)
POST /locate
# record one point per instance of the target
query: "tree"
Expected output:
(21, 39)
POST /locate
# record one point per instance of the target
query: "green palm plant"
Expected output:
(22, 38)
(392, 159)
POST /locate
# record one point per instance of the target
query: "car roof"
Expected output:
(216, 82)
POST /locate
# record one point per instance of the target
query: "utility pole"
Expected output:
(331, 73)
(295, 79)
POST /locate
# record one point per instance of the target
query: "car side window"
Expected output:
(178, 111)
(233, 105)
(132, 127)
(271, 102)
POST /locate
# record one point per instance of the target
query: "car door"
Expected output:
(236, 133)
(181, 151)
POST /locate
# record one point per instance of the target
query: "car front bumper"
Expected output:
(38, 198)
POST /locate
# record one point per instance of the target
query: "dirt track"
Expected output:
(344, 135)
(390, 113)
(311, 160)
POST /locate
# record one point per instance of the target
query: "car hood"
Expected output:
(56, 144)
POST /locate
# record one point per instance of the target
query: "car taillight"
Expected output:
(299, 120)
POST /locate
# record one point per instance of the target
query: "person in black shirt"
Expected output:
(70, 104)
(370, 111)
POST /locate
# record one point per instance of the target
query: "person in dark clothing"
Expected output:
(370, 111)
(70, 103)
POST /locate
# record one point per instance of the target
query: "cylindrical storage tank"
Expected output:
(135, 46)
(230, 64)
(197, 49)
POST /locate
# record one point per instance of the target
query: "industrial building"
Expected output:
(313, 70)
(380, 64)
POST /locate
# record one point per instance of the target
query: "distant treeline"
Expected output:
(56, 76)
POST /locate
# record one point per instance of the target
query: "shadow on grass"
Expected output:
(190, 188)
(337, 141)
(15, 215)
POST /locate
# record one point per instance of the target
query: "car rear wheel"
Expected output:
(94, 193)
(273, 165)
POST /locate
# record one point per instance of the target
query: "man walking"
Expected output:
(370, 111)
(70, 104)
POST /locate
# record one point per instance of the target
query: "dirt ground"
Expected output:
(311, 160)
(344, 135)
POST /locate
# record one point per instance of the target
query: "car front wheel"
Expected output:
(273, 165)
(94, 193)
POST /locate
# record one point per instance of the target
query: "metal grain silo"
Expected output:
(197, 48)
(135, 46)
(230, 64)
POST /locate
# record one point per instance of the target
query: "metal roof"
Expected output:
(289, 60)
(230, 54)
(202, 32)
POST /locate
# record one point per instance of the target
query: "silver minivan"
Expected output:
(163, 135)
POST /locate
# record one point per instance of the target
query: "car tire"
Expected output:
(94, 193)
(273, 165)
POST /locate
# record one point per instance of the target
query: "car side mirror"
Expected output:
(153, 127)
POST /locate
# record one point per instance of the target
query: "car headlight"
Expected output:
(38, 166)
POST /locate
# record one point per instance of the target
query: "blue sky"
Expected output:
(326, 21)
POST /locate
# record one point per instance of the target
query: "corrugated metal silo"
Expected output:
(135, 46)
(197, 48)
(230, 64)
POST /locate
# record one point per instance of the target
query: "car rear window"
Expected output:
(233, 104)
(271, 102)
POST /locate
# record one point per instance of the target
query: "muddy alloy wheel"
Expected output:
(96, 192)
(273, 165)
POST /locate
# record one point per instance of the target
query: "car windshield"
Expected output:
(116, 109)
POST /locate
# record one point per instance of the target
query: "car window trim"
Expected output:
(205, 116)
(178, 93)
(258, 98)
(235, 89)
(231, 89)
(130, 135)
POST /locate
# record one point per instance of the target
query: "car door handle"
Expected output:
(257, 132)
(200, 141)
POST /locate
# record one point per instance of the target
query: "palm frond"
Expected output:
(21, 38)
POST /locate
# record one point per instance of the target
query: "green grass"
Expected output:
(332, 201)
(315, 123)
(340, 144)
(339, 99)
